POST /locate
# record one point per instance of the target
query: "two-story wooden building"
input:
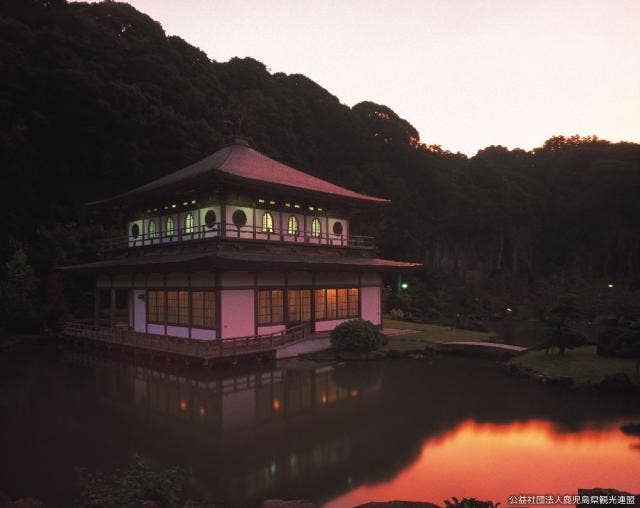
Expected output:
(237, 245)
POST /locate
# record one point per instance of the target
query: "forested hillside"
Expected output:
(96, 99)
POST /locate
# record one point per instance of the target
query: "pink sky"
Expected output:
(466, 74)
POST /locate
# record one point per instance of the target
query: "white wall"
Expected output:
(245, 231)
(370, 304)
(205, 231)
(342, 239)
(237, 313)
(139, 310)
(135, 242)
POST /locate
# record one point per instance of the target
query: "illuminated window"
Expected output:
(172, 307)
(270, 306)
(343, 310)
(209, 309)
(298, 305)
(203, 309)
(152, 229)
(332, 302)
(316, 227)
(267, 223)
(188, 224)
(155, 306)
(321, 304)
(169, 227)
(354, 302)
(183, 307)
(337, 303)
(293, 227)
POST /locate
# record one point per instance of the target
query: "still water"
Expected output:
(340, 435)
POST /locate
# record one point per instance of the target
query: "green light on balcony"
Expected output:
(404, 285)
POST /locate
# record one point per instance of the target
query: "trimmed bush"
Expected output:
(356, 335)
(563, 338)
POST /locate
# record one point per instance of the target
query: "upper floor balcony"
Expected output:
(139, 237)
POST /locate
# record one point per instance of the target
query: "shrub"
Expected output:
(135, 484)
(356, 335)
(396, 314)
(621, 342)
(563, 338)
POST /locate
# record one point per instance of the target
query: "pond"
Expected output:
(340, 435)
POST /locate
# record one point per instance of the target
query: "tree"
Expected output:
(19, 299)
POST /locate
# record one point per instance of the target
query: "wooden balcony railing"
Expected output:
(233, 232)
(193, 348)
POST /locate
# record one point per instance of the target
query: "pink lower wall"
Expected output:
(178, 331)
(157, 329)
(370, 304)
(203, 334)
(325, 326)
(237, 313)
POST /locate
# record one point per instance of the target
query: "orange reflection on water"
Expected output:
(492, 461)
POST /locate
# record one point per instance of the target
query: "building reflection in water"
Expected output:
(260, 426)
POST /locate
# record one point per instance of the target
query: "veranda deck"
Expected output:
(203, 351)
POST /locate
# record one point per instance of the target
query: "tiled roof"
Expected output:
(238, 160)
(247, 260)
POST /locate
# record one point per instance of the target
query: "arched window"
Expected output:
(188, 224)
(316, 227)
(135, 231)
(169, 227)
(337, 228)
(267, 223)
(293, 228)
(151, 229)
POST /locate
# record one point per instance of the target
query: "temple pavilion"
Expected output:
(236, 245)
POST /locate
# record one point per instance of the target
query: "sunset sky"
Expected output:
(466, 74)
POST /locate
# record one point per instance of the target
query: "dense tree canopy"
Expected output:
(96, 99)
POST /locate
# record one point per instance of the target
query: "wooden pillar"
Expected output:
(255, 303)
(223, 217)
(218, 304)
(327, 228)
(254, 222)
(146, 303)
(112, 305)
(285, 299)
(312, 316)
(166, 302)
(96, 305)
(359, 295)
(190, 303)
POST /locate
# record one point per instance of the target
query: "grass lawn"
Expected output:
(581, 364)
(427, 334)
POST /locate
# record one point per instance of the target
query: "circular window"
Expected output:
(210, 218)
(337, 228)
(239, 218)
(135, 231)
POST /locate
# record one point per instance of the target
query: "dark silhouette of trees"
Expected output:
(96, 99)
